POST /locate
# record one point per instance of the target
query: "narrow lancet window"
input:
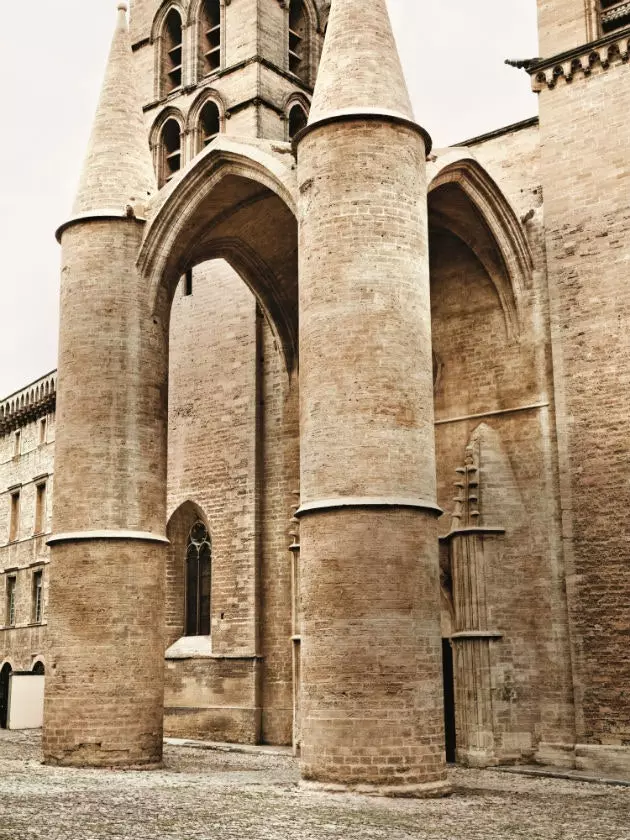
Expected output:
(209, 124)
(198, 573)
(210, 36)
(171, 151)
(172, 46)
(299, 40)
(297, 120)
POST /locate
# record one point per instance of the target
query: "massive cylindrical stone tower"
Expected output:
(372, 692)
(104, 685)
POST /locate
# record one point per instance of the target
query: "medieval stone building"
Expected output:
(391, 501)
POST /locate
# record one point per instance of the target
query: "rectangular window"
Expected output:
(14, 516)
(40, 508)
(37, 597)
(42, 430)
(17, 444)
(10, 607)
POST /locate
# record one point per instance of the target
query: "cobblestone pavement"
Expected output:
(207, 795)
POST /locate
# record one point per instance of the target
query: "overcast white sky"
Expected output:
(452, 52)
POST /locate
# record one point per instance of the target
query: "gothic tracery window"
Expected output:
(614, 14)
(198, 573)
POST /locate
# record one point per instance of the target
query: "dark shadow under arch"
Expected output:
(466, 201)
(238, 206)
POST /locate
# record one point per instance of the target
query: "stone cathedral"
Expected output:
(340, 431)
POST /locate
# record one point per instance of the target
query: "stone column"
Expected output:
(372, 689)
(104, 685)
(104, 681)
(372, 713)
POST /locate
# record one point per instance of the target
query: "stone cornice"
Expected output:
(581, 61)
(30, 403)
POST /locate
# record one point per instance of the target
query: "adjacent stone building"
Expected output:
(390, 525)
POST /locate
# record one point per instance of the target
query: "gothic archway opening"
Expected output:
(227, 287)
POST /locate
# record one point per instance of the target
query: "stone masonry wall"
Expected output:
(585, 137)
(22, 644)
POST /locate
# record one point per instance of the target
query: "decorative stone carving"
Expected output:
(601, 54)
(296, 621)
(472, 635)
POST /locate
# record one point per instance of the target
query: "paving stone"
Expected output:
(207, 795)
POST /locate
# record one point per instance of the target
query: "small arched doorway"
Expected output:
(39, 669)
(5, 674)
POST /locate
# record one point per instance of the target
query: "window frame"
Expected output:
(39, 523)
(198, 623)
(206, 67)
(171, 78)
(15, 504)
(10, 600)
(295, 39)
(165, 172)
(37, 596)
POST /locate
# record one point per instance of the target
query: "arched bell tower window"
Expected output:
(170, 151)
(209, 124)
(210, 35)
(172, 52)
(297, 120)
(299, 40)
(614, 14)
(198, 573)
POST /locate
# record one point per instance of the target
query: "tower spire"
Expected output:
(117, 170)
(360, 70)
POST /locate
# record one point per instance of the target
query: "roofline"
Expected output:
(499, 132)
(30, 385)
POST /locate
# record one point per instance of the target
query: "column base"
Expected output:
(477, 759)
(431, 790)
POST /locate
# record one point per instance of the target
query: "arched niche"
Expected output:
(465, 201)
(178, 531)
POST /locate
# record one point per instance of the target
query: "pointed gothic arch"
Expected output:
(195, 121)
(237, 202)
(296, 111)
(168, 39)
(492, 231)
(206, 23)
(167, 144)
(179, 594)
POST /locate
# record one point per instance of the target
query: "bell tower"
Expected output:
(583, 83)
(240, 67)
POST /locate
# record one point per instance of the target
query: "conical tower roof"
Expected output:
(118, 170)
(360, 70)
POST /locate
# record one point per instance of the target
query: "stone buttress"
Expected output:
(372, 714)
(104, 685)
